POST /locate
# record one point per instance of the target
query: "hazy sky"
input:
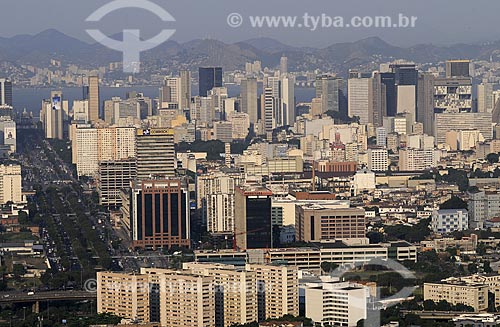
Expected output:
(439, 21)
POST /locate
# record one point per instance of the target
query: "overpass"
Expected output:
(37, 297)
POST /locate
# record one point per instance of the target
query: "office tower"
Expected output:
(93, 145)
(113, 176)
(445, 122)
(452, 95)
(10, 184)
(331, 91)
(388, 79)
(378, 159)
(406, 83)
(159, 214)
(425, 102)
(234, 305)
(180, 298)
(125, 295)
(277, 293)
(94, 98)
(365, 98)
(215, 197)
(249, 98)
(222, 131)
(485, 102)
(317, 223)
(5, 92)
(270, 106)
(218, 95)
(155, 153)
(283, 65)
(287, 101)
(185, 91)
(52, 116)
(253, 228)
(208, 78)
(458, 68)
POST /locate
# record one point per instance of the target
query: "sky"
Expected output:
(441, 22)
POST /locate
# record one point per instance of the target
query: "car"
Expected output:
(31, 293)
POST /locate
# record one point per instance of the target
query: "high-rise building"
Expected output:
(236, 292)
(388, 79)
(331, 91)
(155, 153)
(5, 92)
(270, 107)
(52, 115)
(93, 145)
(176, 92)
(125, 295)
(411, 159)
(452, 95)
(458, 68)
(185, 89)
(287, 101)
(10, 184)
(159, 214)
(94, 98)
(277, 293)
(253, 227)
(114, 175)
(482, 205)
(208, 78)
(283, 65)
(365, 98)
(485, 102)
(425, 102)
(8, 134)
(406, 83)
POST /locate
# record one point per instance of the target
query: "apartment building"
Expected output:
(458, 292)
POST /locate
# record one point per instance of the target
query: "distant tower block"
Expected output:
(227, 148)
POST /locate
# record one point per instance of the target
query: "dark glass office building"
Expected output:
(208, 78)
(159, 210)
(253, 222)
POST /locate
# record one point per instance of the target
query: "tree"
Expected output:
(472, 268)
(328, 266)
(492, 158)
(454, 203)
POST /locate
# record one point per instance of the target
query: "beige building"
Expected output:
(124, 295)
(316, 223)
(236, 288)
(94, 98)
(93, 145)
(280, 287)
(185, 299)
(10, 184)
(155, 153)
(458, 292)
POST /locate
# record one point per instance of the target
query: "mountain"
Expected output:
(51, 44)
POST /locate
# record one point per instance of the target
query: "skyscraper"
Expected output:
(425, 102)
(331, 91)
(288, 101)
(5, 92)
(406, 82)
(159, 213)
(94, 98)
(176, 91)
(485, 97)
(249, 98)
(155, 153)
(366, 98)
(253, 228)
(185, 90)
(283, 65)
(52, 116)
(208, 78)
(457, 68)
(388, 79)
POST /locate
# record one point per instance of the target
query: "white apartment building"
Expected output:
(411, 159)
(449, 220)
(10, 184)
(333, 303)
(378, 159)
(482, 206)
